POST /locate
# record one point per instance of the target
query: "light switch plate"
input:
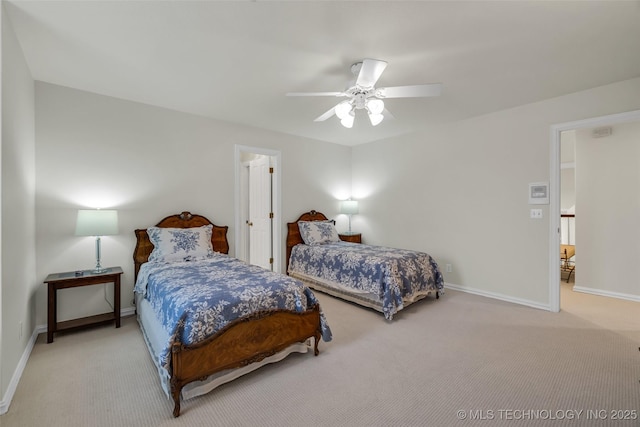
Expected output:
(536, 213)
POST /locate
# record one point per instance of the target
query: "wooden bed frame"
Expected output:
(242, 342)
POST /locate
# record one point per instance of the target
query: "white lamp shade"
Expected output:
(343, 109)
(375, 119)
(348, 120)
(97, 222)
(375, 106)
(349, 207)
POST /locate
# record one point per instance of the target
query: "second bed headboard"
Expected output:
(293, 232)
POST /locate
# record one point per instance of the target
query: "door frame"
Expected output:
(276, 158)
(554, 192)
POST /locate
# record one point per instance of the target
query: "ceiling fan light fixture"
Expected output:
(343, 109)
(375, 119)
(362, 94)
(375, 106)
(348, 120)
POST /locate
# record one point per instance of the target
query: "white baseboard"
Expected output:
(604, 293)
(17, 374)
(498, 296)
(129, 311)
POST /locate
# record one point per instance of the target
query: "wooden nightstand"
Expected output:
(84, 278)
(351, 237)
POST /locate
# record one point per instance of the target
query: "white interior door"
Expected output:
(243, 156)
(242, 248)
(260, 242)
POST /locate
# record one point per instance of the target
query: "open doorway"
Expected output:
(257, 207)
(567, 206)
(555, 208)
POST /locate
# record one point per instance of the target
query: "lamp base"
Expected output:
(99, 268)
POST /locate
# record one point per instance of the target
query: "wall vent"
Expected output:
(602, 132)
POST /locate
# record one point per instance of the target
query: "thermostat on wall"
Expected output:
(539, 193)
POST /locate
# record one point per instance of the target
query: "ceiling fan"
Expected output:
(361, 93)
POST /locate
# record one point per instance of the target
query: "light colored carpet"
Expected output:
(493, 362)
(610, 313)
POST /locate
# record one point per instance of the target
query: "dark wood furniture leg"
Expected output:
(116, 300)
(52, 317)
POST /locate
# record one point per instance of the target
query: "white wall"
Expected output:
(18, 283)
(148, 163)
(607, 211)
(459, 191)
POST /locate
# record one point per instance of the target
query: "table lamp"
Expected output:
(349, 207)
(97, 222)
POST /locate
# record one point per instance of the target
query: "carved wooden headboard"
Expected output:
(293, 232)
(184, 220)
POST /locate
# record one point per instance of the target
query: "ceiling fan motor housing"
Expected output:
(360, 99)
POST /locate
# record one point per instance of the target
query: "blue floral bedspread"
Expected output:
(195, 299)
(389, 273)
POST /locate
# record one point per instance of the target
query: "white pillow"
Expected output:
(318, 232)
(180, 244)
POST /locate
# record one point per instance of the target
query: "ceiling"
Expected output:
(235, 60)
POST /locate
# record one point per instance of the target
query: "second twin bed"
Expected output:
(382, 278)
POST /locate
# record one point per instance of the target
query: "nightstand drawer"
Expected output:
(351, 237)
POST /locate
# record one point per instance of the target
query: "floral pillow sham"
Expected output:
(318, 232)
(180, 244)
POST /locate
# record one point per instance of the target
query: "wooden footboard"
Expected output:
(245, 341)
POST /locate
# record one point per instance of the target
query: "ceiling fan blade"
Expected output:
(326, 115)
(414, 91)
(370, 72)
(316, 94)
